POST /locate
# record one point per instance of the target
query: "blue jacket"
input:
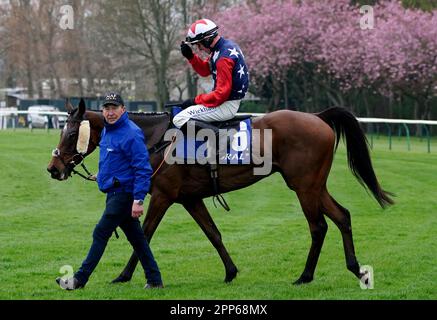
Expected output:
(124, 157)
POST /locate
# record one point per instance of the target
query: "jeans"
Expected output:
(118, 213)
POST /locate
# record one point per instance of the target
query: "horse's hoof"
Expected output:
(231, 275)
(121, 278)
(303, 280)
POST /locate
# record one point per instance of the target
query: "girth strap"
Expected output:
(213, 171)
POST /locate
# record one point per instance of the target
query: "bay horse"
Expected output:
(302, 146)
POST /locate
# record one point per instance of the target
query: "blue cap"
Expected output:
(113, 98)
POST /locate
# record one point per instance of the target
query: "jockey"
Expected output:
(229, 72)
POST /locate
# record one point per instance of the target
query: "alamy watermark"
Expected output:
(367, 21)
(68, 274)
(67, 19)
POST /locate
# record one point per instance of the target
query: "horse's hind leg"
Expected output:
(200, 214)
(157, 207)
(341, 217)
(310, 203)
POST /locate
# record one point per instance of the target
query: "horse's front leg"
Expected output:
(158, 206)
(200, 214)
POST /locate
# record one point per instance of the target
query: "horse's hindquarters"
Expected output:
(302, 146)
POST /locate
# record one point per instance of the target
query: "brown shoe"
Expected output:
(154, 286)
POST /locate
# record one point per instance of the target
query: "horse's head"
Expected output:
(79, 138)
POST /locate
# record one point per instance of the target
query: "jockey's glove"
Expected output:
(186, 50)
(187, 103)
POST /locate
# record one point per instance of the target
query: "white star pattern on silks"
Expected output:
(241, 91)
(234, 52)
(241, 71)
(215, 56)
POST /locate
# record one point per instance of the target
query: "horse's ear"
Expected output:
(82, 107)
(68, 105)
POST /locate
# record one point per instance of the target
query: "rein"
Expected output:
(72, 164)
(173, 139)
(83, 176)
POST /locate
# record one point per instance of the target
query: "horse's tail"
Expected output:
(345, 124)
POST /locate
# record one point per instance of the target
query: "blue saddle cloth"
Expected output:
(193, 150)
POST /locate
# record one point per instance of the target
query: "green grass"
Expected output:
(45, 224)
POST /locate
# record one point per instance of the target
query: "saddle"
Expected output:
(237, 149)
(233, 123)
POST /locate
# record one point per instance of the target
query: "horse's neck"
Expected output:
(153, 125)
(96, 120)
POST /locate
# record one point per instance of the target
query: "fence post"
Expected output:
(407, 131)
(389, 135)
(428, 136)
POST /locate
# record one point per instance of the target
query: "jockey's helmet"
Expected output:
(202, 31)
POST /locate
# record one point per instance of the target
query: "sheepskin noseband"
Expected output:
(84, 137)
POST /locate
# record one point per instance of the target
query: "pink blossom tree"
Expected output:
(318, 49)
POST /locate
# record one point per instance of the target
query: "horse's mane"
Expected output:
(144, 114)
(136, 113)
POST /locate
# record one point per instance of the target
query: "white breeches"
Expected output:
(223, 112)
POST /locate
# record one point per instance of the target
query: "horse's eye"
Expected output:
(72, 134)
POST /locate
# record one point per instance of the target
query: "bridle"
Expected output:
(77, 159)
